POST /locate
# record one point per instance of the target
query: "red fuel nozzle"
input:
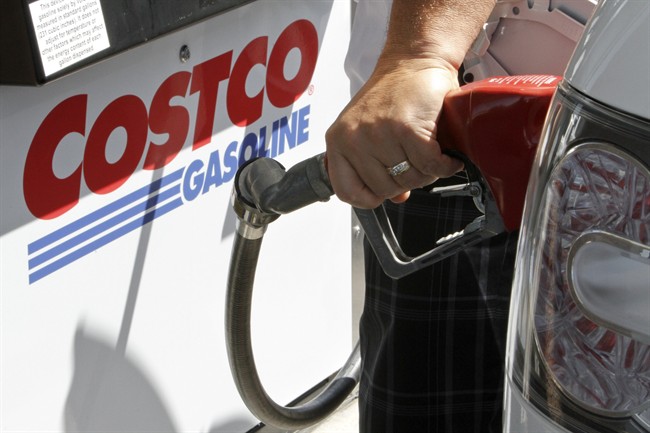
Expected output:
(496, 124)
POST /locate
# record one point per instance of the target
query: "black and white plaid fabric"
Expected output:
(433, 343)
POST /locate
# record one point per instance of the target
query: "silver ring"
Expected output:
(398, 169)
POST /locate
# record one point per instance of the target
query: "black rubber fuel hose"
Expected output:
(262, 191)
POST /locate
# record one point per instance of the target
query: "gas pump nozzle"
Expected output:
(493, 125)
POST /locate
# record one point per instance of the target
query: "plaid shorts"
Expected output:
(433, 343)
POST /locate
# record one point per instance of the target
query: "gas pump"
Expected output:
(117, 158)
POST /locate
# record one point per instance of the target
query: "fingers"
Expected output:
(364, 173)
(366, 183)
(383, 143)
(348, 185)
(359, 163)
(406, 176)
(426, 156)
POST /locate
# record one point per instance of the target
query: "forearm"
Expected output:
(438, 30)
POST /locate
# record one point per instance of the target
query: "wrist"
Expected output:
(438, 30)
(397, 57)
(396, 63)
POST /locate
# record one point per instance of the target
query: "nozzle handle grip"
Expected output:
(397, 264)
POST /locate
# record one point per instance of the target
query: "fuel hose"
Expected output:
(262, 192)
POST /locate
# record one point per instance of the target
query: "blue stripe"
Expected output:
(102, 212)
(110, 237)
(105, 226)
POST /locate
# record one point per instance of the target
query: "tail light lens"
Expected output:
(579, 337)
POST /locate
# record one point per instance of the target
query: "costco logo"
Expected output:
(49, 196)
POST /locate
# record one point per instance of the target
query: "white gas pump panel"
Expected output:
(116, 225)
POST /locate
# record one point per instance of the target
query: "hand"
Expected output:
(392, 119)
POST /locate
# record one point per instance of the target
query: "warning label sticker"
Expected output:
(68, 31)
